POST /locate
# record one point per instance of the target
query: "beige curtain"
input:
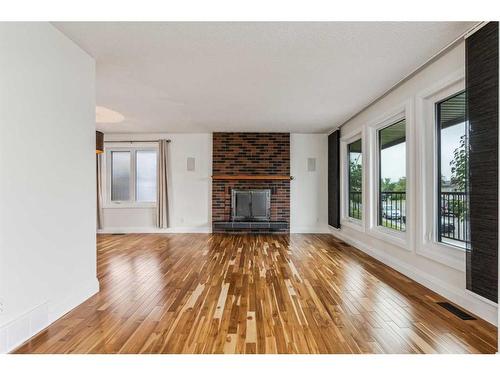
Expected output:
(162, 196)
(98, 160)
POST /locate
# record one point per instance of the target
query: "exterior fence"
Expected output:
(453, 223)
(355, 204)
(393, 210)
(453, 216)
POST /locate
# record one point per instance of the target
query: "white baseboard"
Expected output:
(462, 297)
(313, 229)
(27, 325)
(117, 230)
(59, 308)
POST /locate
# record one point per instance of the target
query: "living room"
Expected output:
(249, 187)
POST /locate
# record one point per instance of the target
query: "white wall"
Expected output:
(189, 192)
(308, 190)
(442, 270)
(47, 172)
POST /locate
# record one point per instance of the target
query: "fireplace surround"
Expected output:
(250, 161)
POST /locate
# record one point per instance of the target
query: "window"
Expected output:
(392, 176)
(120, 175)
(355, 180)
(452, 202)
(131, 175)
(145, 181)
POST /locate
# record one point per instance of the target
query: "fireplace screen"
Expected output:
(251, 205)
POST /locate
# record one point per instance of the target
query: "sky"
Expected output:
(393, 163)
(450, 141)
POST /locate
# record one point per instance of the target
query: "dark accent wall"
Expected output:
(482, 113)
(251, 154)
(334, 179)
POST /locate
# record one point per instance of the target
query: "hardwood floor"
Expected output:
(204, 293)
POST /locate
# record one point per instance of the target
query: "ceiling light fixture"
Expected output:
(105, 115)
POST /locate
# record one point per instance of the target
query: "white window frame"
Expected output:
(427, 238)
(402, 239)
(133, 148)
(346, 220)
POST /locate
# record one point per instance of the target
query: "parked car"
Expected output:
(447, 228)
(391, 213)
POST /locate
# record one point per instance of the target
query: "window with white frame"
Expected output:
(355, 180)
(131, 175)
(452, 165)
(392, 176)
(441, 111)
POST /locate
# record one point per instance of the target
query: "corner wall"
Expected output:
(308, 189)
(47, 188)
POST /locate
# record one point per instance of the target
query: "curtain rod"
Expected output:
(148, 141)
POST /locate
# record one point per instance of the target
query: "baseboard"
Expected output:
(65, 305)
(117, 230)
(16, 332)
(313, 229)
(461, 297)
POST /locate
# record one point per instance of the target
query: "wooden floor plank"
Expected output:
(223, 293)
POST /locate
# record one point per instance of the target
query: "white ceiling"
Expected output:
(204, 77)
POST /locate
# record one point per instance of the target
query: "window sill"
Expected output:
(445, 254)
(449, 246)
(391, 236)
(353, 224)
(129, 205)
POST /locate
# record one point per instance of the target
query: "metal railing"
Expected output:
(393, 210)
(453, 223)
(355, 204)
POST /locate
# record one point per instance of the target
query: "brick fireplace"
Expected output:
(251, 161)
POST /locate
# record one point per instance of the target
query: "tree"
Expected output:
(401, 185)
(388, 185)
(355, 176)
(459, 165)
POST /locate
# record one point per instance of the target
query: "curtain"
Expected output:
(98, 160)
(481, 75)
(334, 179)
(162, 196)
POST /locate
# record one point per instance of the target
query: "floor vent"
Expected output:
(118, 234)
(456, 311)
